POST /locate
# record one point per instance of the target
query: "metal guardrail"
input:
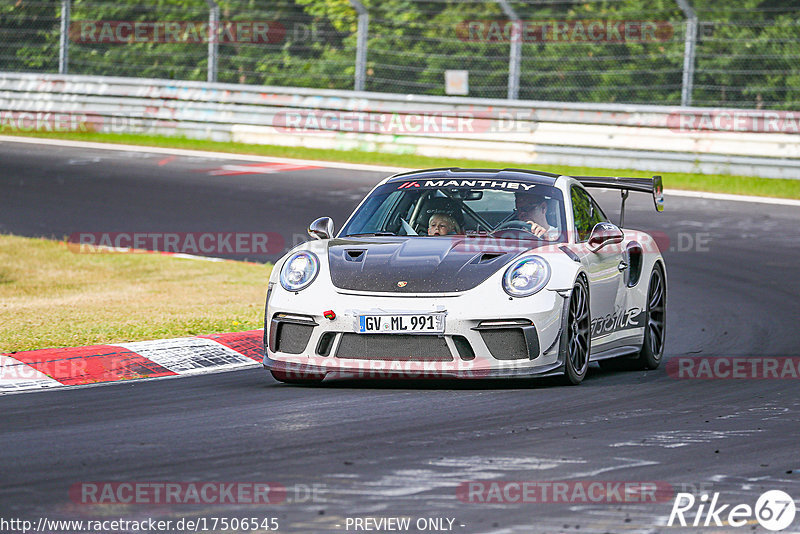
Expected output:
(526, 132)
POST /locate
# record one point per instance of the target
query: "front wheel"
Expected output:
(575, 339)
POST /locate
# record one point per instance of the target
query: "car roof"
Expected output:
(520, 175)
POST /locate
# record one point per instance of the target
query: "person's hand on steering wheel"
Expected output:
(537, 229)
(523, 226)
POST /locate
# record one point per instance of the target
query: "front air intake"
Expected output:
(292, 338)
(510, 339)
(506, 343)
(398, 347)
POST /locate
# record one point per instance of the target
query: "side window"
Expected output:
(586, 213)
(597, 213)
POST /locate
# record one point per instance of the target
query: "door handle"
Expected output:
(622, 266)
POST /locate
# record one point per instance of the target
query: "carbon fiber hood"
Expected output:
(425, 264)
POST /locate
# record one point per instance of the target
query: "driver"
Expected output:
(532, 209)
(442, 224)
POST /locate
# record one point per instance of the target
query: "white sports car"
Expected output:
(470, 273)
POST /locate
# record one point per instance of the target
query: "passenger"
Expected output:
(442, 224)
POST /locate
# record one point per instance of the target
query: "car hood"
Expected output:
(419, 264)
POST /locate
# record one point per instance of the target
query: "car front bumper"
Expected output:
(485, 335)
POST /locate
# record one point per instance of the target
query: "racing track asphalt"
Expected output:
(386, 449)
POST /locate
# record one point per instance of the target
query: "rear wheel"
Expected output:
(655, 327)
(649, 357)
(297, 377)
(575, 340)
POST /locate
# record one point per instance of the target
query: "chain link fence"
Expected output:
(623, 51)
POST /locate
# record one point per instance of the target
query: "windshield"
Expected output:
(518, 210)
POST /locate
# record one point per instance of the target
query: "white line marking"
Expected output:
(734, 198)
(193, 257)
(130, 250)
(201, 153)
(335, 165)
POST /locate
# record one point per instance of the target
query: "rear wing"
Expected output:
(652, 185)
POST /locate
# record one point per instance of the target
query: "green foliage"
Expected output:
(747, 51)
(29, 36)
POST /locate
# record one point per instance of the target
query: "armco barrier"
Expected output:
(526, 132)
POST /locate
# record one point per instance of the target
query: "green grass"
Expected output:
(51, 296)
(718, 183)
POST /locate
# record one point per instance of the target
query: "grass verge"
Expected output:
(717, 183)
(51, 297)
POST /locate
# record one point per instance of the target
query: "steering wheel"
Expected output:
(519, 226)
(514, 225)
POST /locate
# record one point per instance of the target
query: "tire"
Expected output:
(576, 338)
(297, 377)
(655, 321)
(652, 351)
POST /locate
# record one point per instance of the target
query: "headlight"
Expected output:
(299, 271)
(526, 276)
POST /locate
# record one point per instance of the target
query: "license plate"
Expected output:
(423, 323)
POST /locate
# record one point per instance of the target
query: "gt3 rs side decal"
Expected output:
(619, 320)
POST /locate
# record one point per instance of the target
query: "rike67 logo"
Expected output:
(774, 510)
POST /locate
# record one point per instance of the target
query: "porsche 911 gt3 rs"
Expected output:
(470, 273)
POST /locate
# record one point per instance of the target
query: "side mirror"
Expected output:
(322, 228)
(658, 193)
(603, 234)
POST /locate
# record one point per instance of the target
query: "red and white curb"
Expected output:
(96, 364)
(130, 250)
